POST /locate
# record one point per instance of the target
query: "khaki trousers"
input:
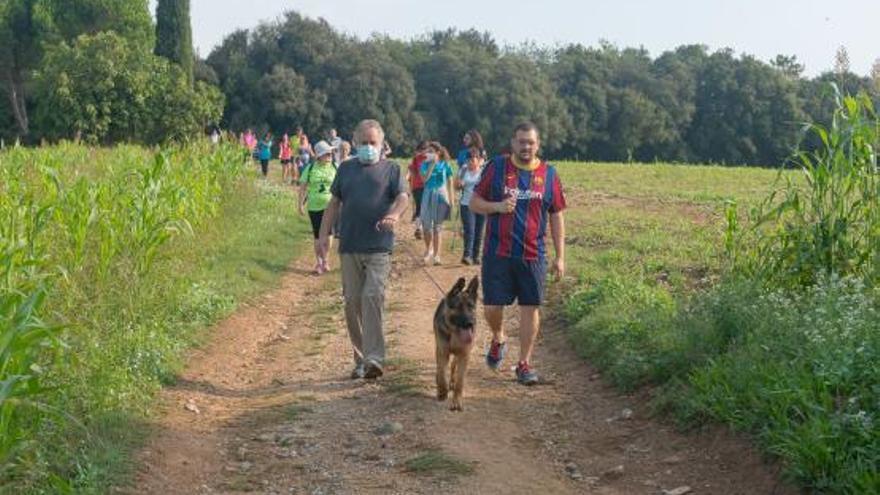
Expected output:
(364, 278)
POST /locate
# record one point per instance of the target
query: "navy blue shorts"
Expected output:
(506, 280)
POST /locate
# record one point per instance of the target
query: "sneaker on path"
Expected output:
(525, 374)
(495, 355)
(358, 372)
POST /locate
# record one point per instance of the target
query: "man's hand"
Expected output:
(302, 210)
(559, 268)
(508, 205)
(387, 223)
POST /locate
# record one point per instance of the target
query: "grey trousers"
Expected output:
(364, 278)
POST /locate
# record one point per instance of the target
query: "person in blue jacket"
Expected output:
(265, 150)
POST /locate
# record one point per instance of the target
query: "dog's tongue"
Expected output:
(467, 336)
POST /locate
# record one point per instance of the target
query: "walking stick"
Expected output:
(455, 232)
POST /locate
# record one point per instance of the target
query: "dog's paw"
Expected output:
(456, 406)
(442, 395)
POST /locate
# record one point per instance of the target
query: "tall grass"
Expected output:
(830, 225)
(24, 336)
(95, 300)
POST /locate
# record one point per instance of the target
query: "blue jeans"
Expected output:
(472, 225)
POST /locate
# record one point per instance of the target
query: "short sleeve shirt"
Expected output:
(469, 181)
(265, 150)
(539, 193)
(367, 192)
(415, 177)
(318, 177)
(441, 173)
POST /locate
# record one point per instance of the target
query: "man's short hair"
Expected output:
(366, 125)
(526, 127)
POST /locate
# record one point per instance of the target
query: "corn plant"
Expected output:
(153, 217)
(24, 336)
(76, 224)
(831, 226)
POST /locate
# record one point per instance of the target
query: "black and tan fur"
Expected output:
(454, 332)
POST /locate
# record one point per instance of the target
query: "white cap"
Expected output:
(322, 148)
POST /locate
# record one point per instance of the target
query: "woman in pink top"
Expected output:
(285, 154)
(250, 141)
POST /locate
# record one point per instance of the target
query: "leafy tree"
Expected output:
(789, 66)
(582, 77)
(289, 100)
(747, 112)
(239, 81)
(362, 81)
(65, 20)
(675, 90)
(105, 89)
(520, 92)
(205, 73)
(28, 26)
(453, 90)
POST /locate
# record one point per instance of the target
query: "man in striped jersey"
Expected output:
(520, 194)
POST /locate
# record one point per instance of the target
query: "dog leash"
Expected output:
(424, 268)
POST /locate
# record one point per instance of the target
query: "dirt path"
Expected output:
(267, 407)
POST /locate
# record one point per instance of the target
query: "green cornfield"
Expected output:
(81, 230)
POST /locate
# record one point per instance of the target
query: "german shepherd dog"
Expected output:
(454, 327)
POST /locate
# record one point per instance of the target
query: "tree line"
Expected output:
(599, 103)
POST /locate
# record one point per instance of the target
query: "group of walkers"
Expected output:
(434, 184)
(295, 153)
(312, 168)
(512, 198)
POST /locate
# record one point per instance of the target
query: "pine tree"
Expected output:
(174, 34)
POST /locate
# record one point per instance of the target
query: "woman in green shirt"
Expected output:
(314, 194)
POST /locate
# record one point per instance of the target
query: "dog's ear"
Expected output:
(472, 288)
(457, 288)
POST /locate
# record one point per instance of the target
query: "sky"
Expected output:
(809, 29)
